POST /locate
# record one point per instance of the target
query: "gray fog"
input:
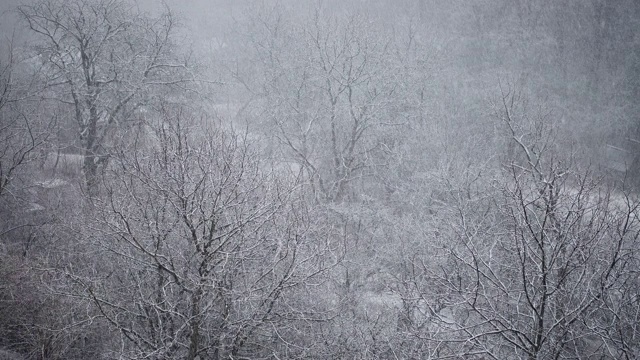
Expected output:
(355, 179)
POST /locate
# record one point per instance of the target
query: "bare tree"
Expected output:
(542, 259)
(331, 99)
(20, 133)
(205, 251)
(533, 262)
(102, 58)
(28, 325)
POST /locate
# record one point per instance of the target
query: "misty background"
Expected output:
(362, 179)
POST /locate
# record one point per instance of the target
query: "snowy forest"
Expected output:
(319, 179)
